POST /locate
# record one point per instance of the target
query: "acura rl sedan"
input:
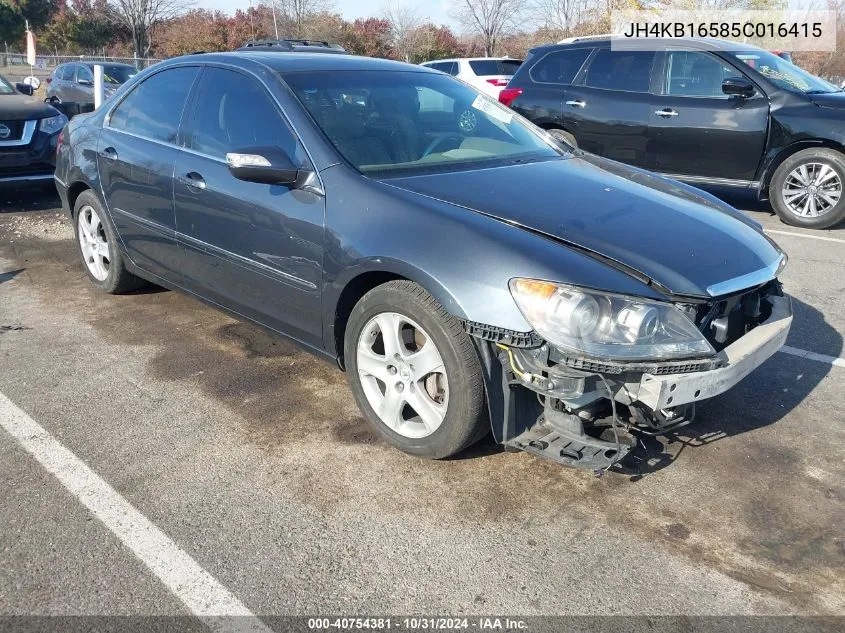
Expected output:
(467, 271)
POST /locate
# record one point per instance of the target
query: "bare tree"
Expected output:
(560, 16)
(298, 12)
(405, 31)
(490, 19)
(140, 17)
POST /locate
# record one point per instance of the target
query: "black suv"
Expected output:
(707, 112)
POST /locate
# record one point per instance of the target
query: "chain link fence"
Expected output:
(14, 67)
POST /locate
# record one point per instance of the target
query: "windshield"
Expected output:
(483, 67)
(393, 122)
(783, 74)
(5, 87)
(117, 73)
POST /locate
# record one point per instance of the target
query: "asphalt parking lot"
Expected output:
(251, 459)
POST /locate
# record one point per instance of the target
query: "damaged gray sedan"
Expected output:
(468, 271)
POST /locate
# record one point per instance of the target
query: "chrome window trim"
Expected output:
(26, 136)
(749, 280)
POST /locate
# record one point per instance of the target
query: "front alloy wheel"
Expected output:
(812, 189)
(414, 371)
(807, 188)
(403, 375)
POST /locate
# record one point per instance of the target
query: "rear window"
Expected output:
(629, 71)
(495, 66)
(559, 67)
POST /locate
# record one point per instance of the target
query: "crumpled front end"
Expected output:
(586, 412)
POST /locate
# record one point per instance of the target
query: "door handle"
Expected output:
(192, 179)
(576, 103)
(666, 112)
(110, 153)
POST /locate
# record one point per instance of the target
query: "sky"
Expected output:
(437, 11)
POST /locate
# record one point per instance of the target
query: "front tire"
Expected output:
(98, 248)
(807, 188)
(414, 371)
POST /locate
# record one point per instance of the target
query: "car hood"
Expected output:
(20, 107)
(834, 100)
(678, 237)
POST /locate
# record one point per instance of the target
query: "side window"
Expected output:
(84, 73)
(559, 67)
(443, 67)
(621, 70)
(453, 69)
(235, 111)
(154, 108)
(695, 74)
(65, 73)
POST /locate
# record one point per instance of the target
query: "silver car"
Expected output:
(74, 82)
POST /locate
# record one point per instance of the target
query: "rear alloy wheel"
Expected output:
(807, 188)
(417, 379)
(98, 247)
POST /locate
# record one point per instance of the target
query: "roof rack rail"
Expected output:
(292, 45)
(587, 38)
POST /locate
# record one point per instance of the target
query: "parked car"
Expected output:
(487, 74)
(453, 258)
(74, 82)
(706, 112)
(29, 129)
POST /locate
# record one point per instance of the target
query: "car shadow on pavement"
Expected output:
(32, 198)
(10, 274)
(763, 398)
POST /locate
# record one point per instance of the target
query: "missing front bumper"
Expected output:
(738, 359)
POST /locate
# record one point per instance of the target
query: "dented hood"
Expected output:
(677, 236)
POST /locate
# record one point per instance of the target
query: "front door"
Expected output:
(137, 154)
(696, 130)
(254, 248)
(607, 108)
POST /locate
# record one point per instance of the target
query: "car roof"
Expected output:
(658, 43)
(297, 62)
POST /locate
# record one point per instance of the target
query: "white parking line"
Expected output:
(822, 358)
(198, 590)
(810, 237)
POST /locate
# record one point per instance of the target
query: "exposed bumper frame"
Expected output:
(740, 358)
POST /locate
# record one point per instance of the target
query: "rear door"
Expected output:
(138, 150)
(697, 130)
(545, 83)
(255, 248)
(607, 108)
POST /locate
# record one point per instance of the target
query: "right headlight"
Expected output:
(607, 326)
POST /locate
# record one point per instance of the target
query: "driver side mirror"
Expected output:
(24, 89)
(267, 165)
(738, 87)
(85, 82)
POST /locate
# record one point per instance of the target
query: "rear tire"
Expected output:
(807, 188)
(436, 370)
(97, 244)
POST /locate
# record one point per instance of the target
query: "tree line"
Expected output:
(165, 28)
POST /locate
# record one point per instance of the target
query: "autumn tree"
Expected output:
(371, 37)
(142, 17)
